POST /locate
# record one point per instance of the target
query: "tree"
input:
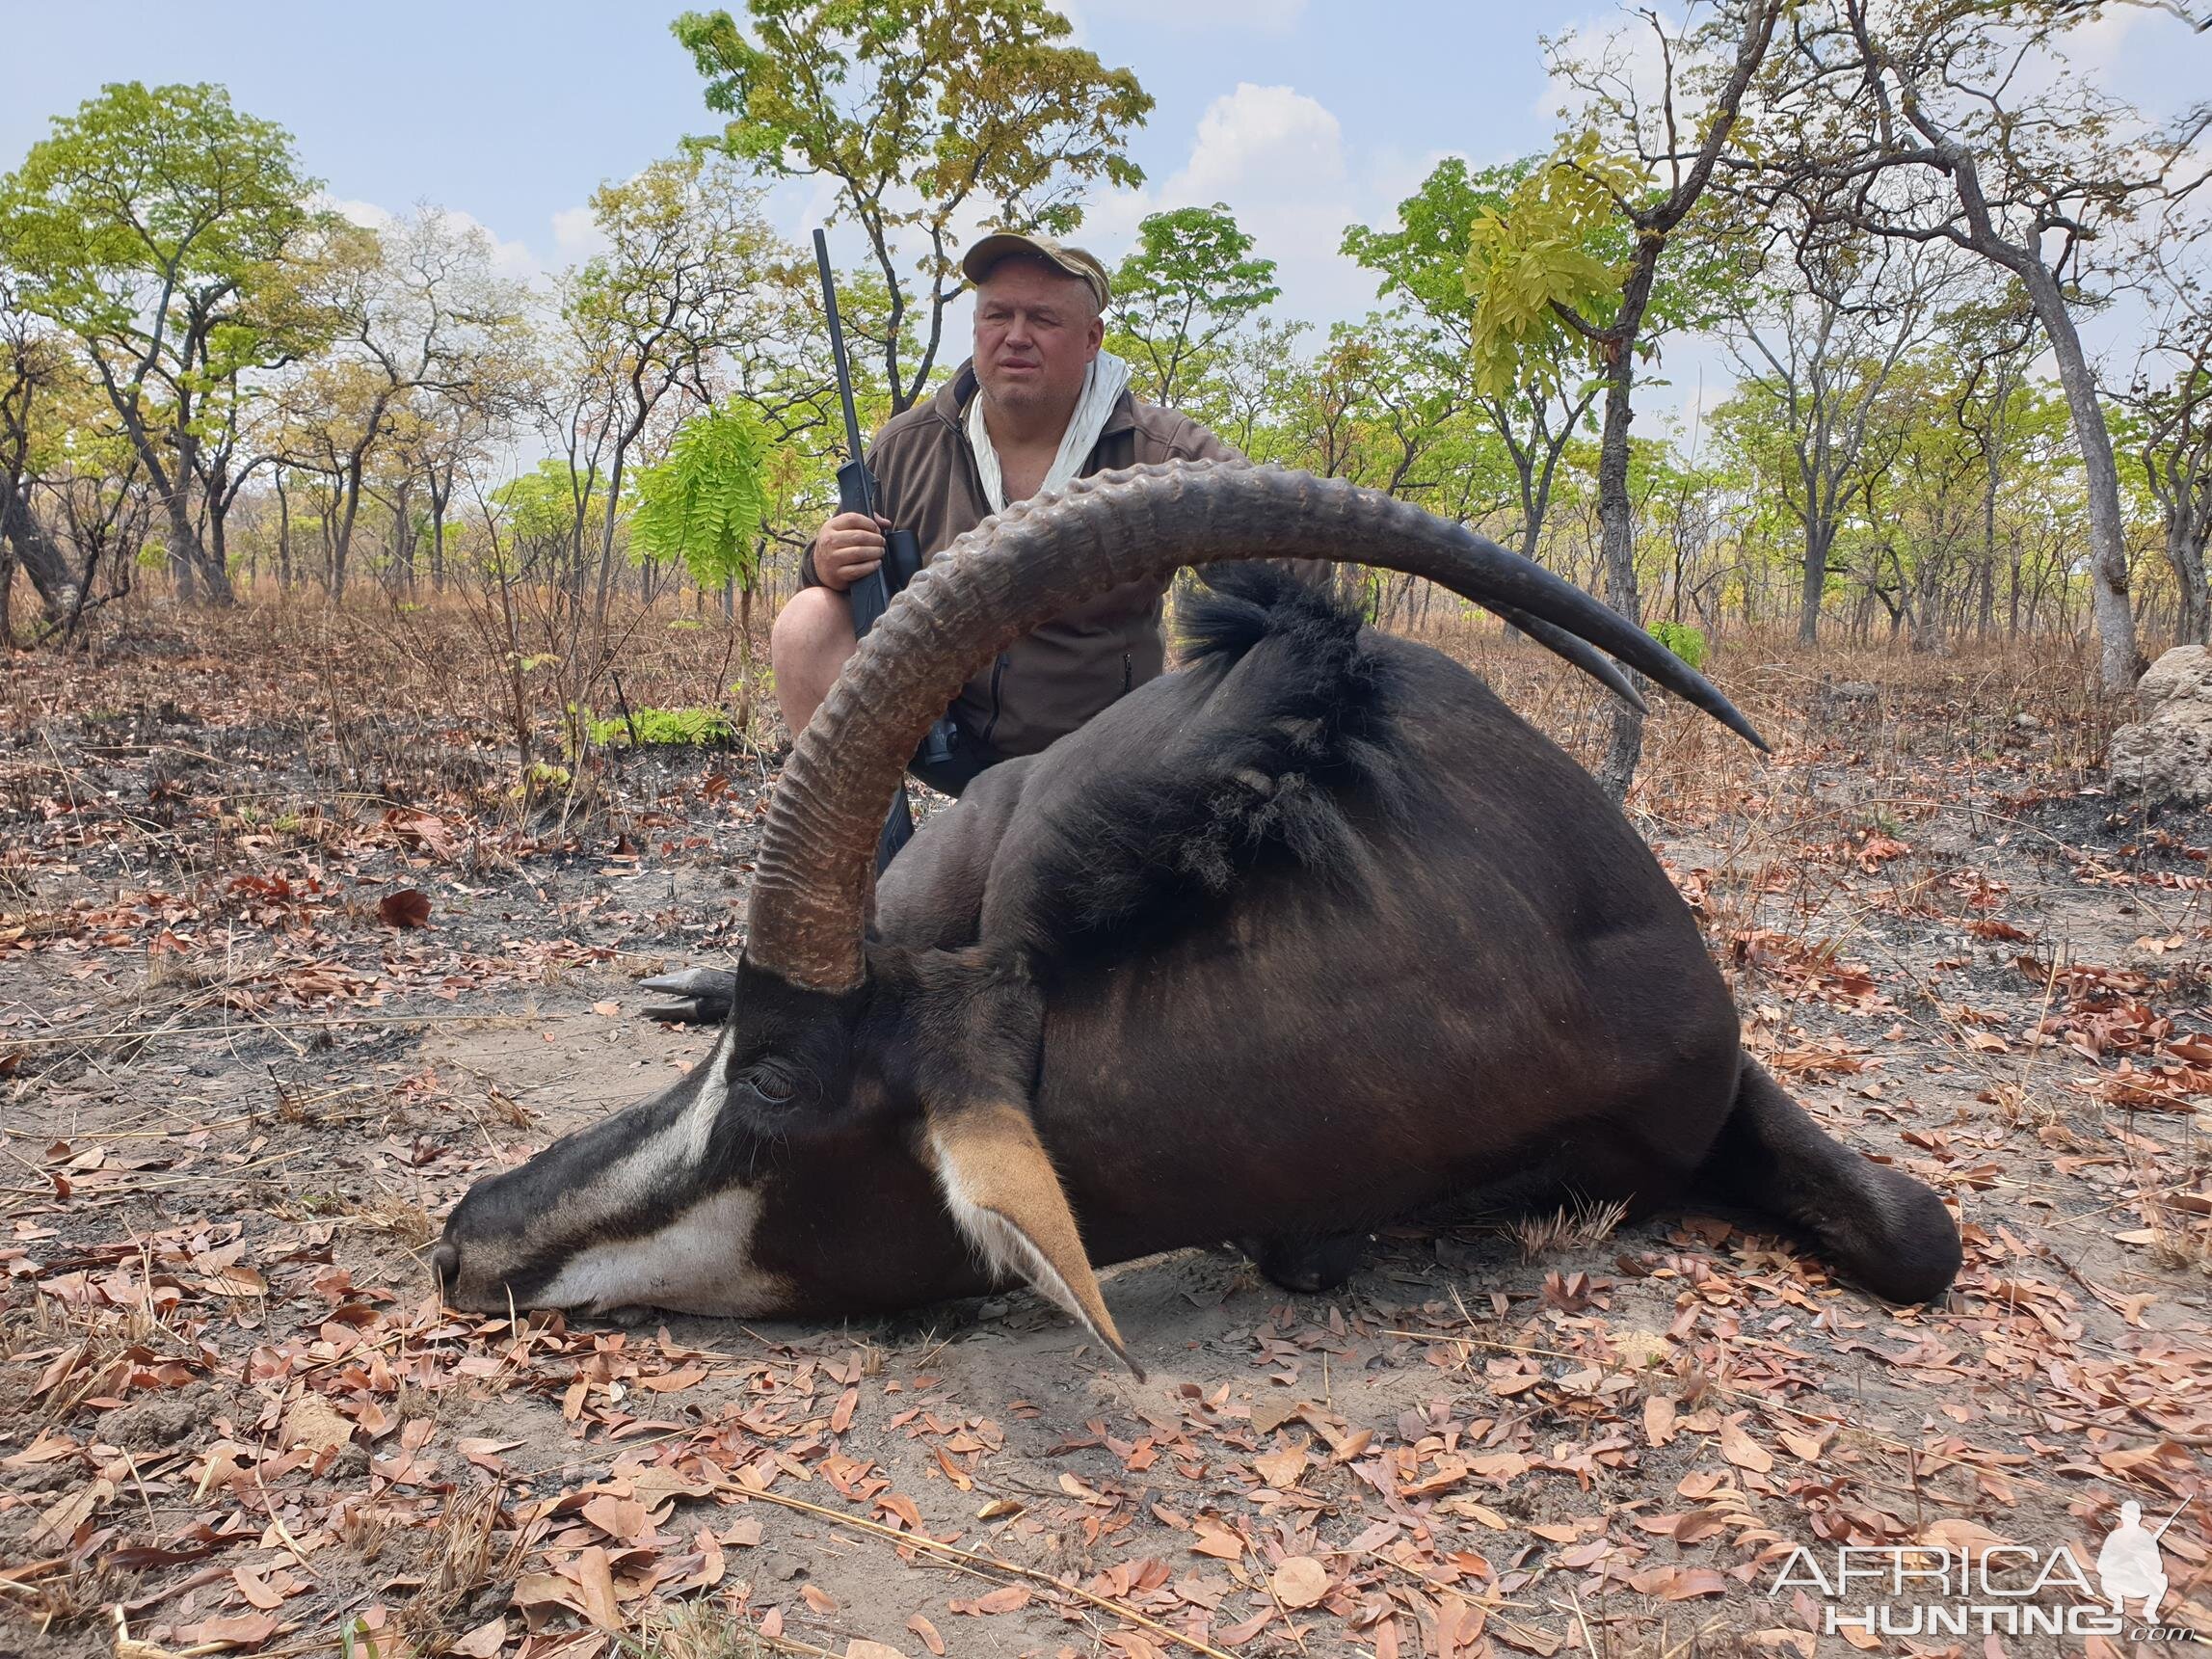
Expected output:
(1816, 353)
(414, 310)
(34, 369)
(1538, 406)
(926, 113)
(688, 253)
(164, 230)
(1190, 282)
(1917, 123)
(704, 505)
(2168, 431)
(1531, 267)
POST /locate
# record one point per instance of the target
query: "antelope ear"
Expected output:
(1008, 1203)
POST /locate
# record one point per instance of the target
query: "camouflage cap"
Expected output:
(975, 264)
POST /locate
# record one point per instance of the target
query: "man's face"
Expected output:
(1036, 333)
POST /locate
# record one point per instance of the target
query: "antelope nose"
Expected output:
(444, 1265)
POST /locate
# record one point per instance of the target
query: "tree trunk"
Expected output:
(2185, 553)
(284, 536)
(44, 563)
(342, 533)
(436, 538)
(183, 546)
(1819, 537)
(2108, 540)
(745, 666)
(1616, 521)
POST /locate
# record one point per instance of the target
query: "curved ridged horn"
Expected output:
(1043, 558)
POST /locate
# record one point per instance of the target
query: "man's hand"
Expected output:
(848, 548)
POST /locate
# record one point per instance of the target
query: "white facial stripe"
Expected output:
(713, 1078)
(699, 1263)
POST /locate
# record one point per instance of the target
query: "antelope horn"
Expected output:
(1043, 558)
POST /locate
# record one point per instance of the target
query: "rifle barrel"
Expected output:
(838, 345)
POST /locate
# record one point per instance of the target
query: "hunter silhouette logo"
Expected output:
(2128, 1565)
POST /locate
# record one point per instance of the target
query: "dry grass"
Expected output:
(1567, 1228)
(701, 1630)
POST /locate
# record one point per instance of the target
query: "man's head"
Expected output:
(1037, 324)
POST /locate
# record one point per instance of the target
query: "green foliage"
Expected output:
(1552, 243)
(542, 507)
(703, 503)
(1191, 281)
(1684, 641)
(1425, 258)
(688, 728)
(162, 225)
(542, 778)
(929, 113)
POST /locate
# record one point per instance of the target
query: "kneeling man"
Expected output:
(1035, 407)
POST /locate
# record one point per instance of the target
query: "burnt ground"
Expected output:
(240, 1089)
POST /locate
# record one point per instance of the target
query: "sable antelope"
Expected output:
(1306, 936)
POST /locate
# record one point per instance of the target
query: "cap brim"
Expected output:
(975, 264)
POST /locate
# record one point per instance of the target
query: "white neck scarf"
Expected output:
(1102, 386)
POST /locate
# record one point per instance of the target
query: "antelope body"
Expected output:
(1309, 935)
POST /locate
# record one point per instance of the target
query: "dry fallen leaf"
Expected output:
(409, 907)
(594, 1579)
(1301, 1581)
(1745, 1452)
(1527, 1637)
(927, 1631)
(238, 1630)
(1281, 1469)
(256, 1590)
(484, 1642)
(1679, 1583)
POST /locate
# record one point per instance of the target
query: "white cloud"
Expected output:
(512, 259)
(1263, 142)
(1276, 157)
(576, 238)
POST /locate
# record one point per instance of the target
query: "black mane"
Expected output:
(1263, 747)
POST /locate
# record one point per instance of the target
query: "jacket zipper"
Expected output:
(1127, 673)
(997, 674)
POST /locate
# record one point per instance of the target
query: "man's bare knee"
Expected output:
(812, 619)
(812, 637)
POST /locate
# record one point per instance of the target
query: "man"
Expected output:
(1035, 407)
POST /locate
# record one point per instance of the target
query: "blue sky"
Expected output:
(1302, 114)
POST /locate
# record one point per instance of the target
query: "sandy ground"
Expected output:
(237, 1098)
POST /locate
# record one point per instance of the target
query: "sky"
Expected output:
(1303, 115)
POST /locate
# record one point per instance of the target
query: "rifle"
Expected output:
(872, 595)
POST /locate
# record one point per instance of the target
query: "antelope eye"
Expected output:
(771, 1083)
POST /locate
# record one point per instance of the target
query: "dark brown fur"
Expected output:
(1309, 936)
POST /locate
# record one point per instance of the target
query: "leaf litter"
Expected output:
(249, 1061)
